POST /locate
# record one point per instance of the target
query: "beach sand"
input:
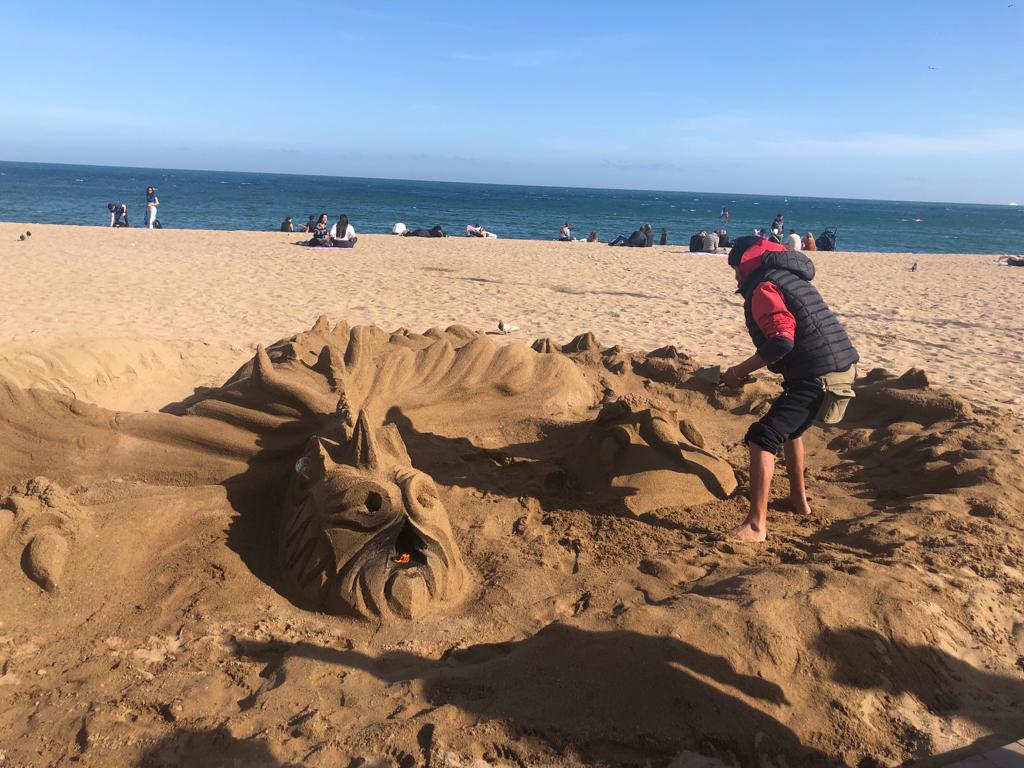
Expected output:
(957, 316)
(201, 566)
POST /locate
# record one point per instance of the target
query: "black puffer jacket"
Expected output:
(820, 344)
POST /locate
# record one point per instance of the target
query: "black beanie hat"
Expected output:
(741, 246)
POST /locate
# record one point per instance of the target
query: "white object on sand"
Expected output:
(504, 327)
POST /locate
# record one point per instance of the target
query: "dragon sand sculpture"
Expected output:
(299, 436)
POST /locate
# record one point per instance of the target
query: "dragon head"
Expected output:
(363, 532)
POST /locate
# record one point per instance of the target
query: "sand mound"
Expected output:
(128, 373)
(548, 516)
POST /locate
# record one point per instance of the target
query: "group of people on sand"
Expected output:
(710, 242)
(119, 211)
(793, 241)
(639, 238)
(341, 234)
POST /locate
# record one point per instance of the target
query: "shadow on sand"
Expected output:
(210, 749)
(609, 693)
(944, 684)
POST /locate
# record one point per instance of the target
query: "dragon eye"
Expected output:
(374, 501)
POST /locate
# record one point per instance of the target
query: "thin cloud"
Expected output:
(902, 145)
(517, 60)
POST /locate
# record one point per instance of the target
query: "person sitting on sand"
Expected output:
(723, 239)
(343, 235)
(321, 234)
(310, 224)
(664, 237)
(798, 336)
(398, 229)
(809, 243)
(287, 225)
(592, 237)
(565, 234)
(793, 241)
(434, 231)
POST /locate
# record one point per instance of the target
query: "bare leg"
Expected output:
(762, 467)
(793, 450)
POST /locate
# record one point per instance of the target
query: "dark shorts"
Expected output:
(790, 415)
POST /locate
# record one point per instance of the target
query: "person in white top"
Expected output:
(343, 235)
(793, 241)
(398, 229)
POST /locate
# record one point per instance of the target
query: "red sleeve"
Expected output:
(771, 313)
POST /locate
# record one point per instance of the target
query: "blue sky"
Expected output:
(795, 98)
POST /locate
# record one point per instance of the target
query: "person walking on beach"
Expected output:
(798, 336)
(152, 201)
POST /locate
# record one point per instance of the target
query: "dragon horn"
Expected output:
(268, 379)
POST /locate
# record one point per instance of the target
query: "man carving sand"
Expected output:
(798, 336)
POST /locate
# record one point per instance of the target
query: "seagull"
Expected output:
(932, 68)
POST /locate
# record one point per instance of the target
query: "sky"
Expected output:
(903, 99)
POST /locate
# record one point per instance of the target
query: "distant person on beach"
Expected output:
(321, 233)
(343, 234)
(798, 336)
(565, 234)
(152, 201)
(809, 243)
(664, 237)
(479, 231)
(778, 229)
(286, 225)
(793, 242)
(697, 242)
(592, 237)
(434, 231)
(398, 228)
(310, 224)
(118, 214)
(1008, 261)
(723, 239)
(724, 216)
(640, 238)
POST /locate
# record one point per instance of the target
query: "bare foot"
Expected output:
(747, 533)
(799, 505)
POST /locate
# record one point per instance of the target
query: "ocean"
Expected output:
(78, 194)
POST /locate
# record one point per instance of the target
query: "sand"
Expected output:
(203, 567)
(957, 316)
